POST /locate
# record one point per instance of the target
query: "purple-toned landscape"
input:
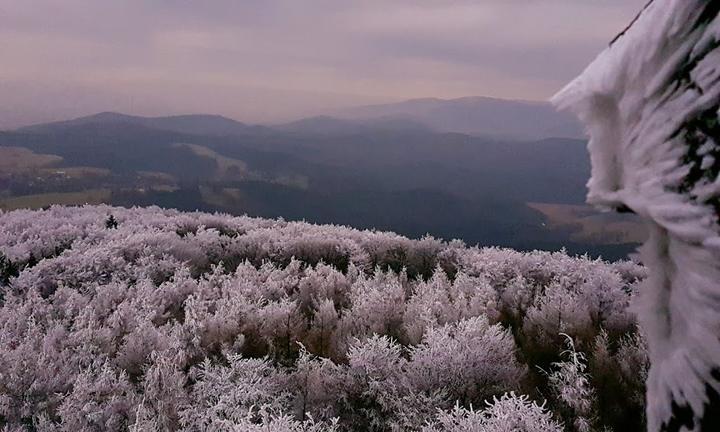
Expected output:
(346, 215)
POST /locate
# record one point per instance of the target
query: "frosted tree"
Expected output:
(227, 394)
(100, 399)
(145, 327)
(507, 413)
(650, 102)
(317, 384)
(380, 393)
(472, 359)
(570, 385)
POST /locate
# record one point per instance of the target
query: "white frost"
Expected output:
(634, 102)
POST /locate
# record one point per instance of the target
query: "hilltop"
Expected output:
(115, 318)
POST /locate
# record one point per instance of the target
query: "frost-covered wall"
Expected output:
(650, 102)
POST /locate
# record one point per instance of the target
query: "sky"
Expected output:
(264, 61)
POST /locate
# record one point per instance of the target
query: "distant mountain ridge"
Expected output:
(216, 125)
(478, 116)
(327, 125)
(196, 124)
(383, 172)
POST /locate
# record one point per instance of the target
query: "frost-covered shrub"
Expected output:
(507, 413)
(558, 311)
(511, 412)
(473, 296)
(381, 394)
(190, 321)
(101, 399)
(377, 305)
(472, 360)
(317, 385)
(163, 390)
(570, 385)
(322, 338)
(225, 394)
(263, 419)
(619, 368)
(430, 304)
(281, 325)
(418, 258)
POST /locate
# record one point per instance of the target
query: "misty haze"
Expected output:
(359, 216)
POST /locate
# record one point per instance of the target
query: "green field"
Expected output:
(590, 225)
(91, 196)
(19, 159)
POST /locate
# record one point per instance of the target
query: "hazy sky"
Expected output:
(271, 60)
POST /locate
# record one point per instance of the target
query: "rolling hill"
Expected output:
(478, 116)
(377, 173)
(196, 124)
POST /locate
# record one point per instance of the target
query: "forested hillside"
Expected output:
(150, 319)
(385, 174)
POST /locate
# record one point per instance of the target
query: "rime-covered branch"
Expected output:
(650, 103)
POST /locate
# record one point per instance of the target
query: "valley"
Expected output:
(386, 173)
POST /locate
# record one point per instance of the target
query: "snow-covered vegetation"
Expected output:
(150, 319)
